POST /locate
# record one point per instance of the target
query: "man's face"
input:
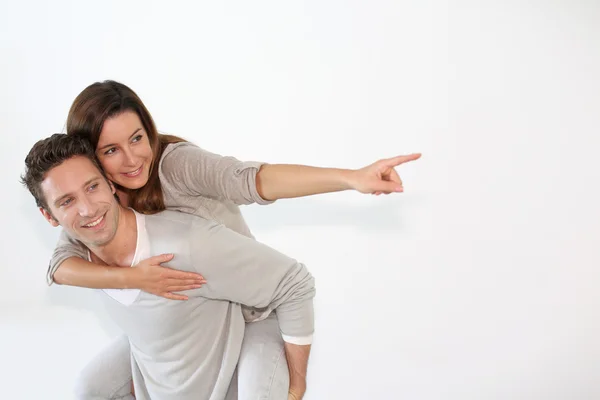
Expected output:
(81, 201)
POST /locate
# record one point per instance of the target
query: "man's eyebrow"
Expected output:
(64, 196)
(113, 144)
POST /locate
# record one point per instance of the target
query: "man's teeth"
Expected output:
(96, 222)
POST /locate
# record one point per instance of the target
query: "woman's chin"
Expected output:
(132, 183)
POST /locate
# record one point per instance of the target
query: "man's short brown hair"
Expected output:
(50, 153)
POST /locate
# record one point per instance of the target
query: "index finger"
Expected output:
(181, 275)
(403, 159)
(161, 258)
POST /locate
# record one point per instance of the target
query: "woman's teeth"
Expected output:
(134, 173)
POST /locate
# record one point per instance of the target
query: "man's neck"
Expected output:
(121, 249)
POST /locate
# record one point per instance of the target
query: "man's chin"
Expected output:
(96, 240)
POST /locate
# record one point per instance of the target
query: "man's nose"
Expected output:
(87, 208)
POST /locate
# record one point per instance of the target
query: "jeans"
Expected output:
(262, 371)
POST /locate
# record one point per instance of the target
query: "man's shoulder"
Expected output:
(169, 218)
(177, 232)
(178, 220)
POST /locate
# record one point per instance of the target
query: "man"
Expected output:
(180, 350)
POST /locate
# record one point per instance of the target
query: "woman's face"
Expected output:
(124, 150)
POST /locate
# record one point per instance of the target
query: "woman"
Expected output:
(153, 172)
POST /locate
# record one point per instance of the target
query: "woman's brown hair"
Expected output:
(103, 100)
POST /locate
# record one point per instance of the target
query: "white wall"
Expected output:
(479, 282)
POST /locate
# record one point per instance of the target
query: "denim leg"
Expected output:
(262, 369)
(108, 375)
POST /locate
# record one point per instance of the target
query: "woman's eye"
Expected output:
(110, 151)
(137, 138)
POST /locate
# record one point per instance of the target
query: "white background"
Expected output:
(479, 282)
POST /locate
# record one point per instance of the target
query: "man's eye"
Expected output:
(94, 186)
(66, 202)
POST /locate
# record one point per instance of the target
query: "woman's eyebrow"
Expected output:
(112, 144)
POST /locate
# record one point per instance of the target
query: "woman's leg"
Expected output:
(262, 369)
(108, 375)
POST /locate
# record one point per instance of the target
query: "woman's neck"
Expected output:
(123, 197)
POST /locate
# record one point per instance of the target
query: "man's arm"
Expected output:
(242, 270)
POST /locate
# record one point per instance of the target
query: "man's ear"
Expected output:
(112, 187)
(49, 217)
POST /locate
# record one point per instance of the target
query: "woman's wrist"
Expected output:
(348, 178)
(126, 277)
